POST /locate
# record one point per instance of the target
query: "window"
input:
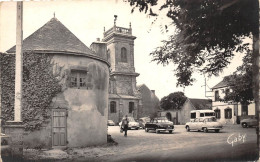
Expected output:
(112, 107)
(108, 55)
(193, 115)
(217, 113)
(209, 114)
(216, 96)
(78, 78)
(228, 113)
(131, 107)
(244, 110)
(201, 114)
(227, 91)
(123, 55)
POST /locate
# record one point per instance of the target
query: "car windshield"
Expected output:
(162, 120)
(130, 119)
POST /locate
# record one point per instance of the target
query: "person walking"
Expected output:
(125, 125)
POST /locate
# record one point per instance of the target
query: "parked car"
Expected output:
(160, 124)
(204, 124)
(249, 122)
(142, 121)
(5, 147)
(132, 123)
(110, 123)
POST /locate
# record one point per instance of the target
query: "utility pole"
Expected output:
(18, 63)
(15, 129)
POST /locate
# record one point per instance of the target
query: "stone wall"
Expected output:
(87, 108)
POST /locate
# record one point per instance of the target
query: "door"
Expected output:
(59, 127)
(169, 116)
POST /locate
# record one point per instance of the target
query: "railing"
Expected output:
(116, 29)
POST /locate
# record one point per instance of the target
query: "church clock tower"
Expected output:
(122, 90)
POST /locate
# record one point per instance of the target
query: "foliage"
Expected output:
(40, 85)
(208, 33)
(241, 83)
(173, 101)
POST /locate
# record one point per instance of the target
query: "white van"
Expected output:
(201, 114)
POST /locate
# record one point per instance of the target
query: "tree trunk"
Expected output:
(256, 75)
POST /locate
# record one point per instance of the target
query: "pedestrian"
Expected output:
(124, 125)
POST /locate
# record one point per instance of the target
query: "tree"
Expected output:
(241, 83)
(173, 101)
(208, 33)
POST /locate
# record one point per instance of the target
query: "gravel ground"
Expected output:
(140, 145)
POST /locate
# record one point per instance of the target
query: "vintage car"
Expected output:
(204, 124)
(132, 123)
(160, 124)
(142, 121)
(110, 123)
(250, 122)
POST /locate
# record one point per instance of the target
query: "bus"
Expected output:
(201, 114)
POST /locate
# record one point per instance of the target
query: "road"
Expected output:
(182, 145)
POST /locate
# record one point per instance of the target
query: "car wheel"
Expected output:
(217, 130)
(170, 131)
(136, 128)
(157, 131)
(187, 128)
(244, 125)
(146, 129)
(205, 130)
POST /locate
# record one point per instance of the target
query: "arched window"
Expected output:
(131, 107)
(112, 107)
(228, 113)
(217, 113)
(123, 55)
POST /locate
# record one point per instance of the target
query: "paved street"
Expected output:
(182, 145)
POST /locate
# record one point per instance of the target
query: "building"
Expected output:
(123, 98)
(182, 116)
(150, 103)
(229, 112)
(79, 112)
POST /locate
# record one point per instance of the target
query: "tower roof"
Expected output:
(53, 37)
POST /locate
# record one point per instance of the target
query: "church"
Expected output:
(125, 97)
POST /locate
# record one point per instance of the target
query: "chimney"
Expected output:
(98, 39)
(153, 91)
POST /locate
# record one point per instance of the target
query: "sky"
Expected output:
(87, 19)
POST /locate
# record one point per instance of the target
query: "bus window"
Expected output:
(209, 114)
(201, 114)
(193, 115)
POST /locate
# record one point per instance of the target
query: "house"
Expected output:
(229, 112)
(182, 116)
(123, 98)
(150, 103)
(79, 112)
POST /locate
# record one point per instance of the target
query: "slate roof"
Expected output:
(220, 85)
(201, 104)
(53, 37)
